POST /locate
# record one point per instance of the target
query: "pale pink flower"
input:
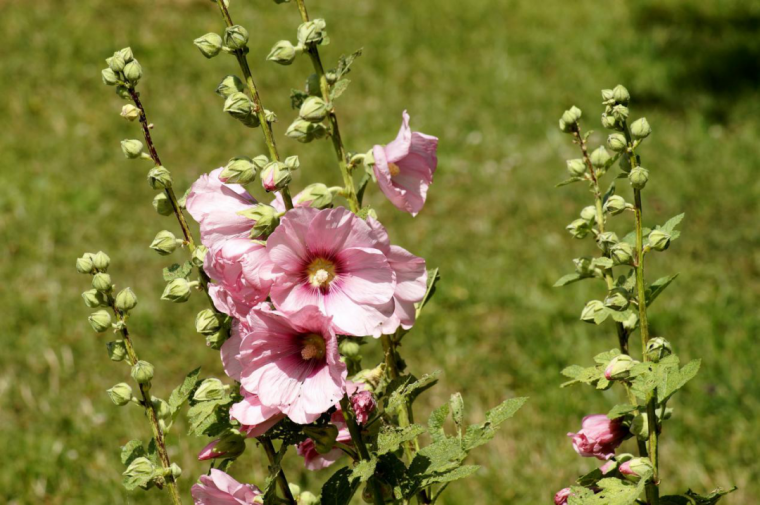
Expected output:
(363, 404)
(599, 436)
(404, 168)
(313, 460)
(561, 497)
(335, 261)
(292, 363)
(255, 417)
(218, 488)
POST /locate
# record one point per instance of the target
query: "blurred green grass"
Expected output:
(490, 78)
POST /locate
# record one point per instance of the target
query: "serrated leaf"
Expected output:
(338, 89)
(297, 97)
(438, 457)
(364, 469)
(131, 451)
(603, 262)
(339, 489)
(478, 434)
(409, 391)
(621, 316)
(433, 278)
(590, 478)
(657, 287)
(393, 472)
(568, 181)
(345, 62)
(631, 237)
(610, 191)
(181, 393)
(568, 279)
(587, 375)
(620, 410)
(610, 492)
(390, 438)
(604, 358)
(450, 476)
(177, 271)
(436, 420)
(573, 371)
(209, 417)
(676, 379)
(671, 223)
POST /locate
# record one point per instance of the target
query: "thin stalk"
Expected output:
(282, 482)
(266, 127)
(356, 436)
(337, 142)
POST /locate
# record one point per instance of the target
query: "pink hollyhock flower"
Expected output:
(599, 436)
(255, 417)
(404, 168)
(561, 497)
(292, 363)
(363, 404)
(313, 460)
(335, 261)
(218, 488)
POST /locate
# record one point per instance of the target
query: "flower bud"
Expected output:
(283, 53)
(637, 469)
(177, 291)
(229, 85)
(239, 170)
(116, 62)
(238, 105)
(130, 112)
(617, 142)
(313, 109)
(159, 178)
(133, 71)
(102, 282)
(583, 265)
(658, 348)
(266, 218)
(349, 348)
(235, 37)
(609, 122)
(600, 157)
(132, 148)
(275, 176)
(175, 470)
(293, 162)
(619, 367)
(317, 195)
(270, 116)
(140, 467)
(617, 299)
(659, 240)
(210, 44)
(165, 243)
(162, 204)
(640, 128)
(591, 310)
(576, 167)
(207, 322)
(215, 340)
(110, 78)
(126, 54)
(126, 300)
(588, 214)
(84, 265)
(120, 394)
(621, 95)
(94, 299)
(572, 115)
(101, 261)
(307, 498)
(199, 255)
(304, 131)
(620, 113)
(210, 389)
(615, 205)
(578, 228)
(123, 92)
(363, 404)
(323, 436)
(638, 177)
(607, 96)
(312, 32)
(163, 411)
(606, 240)
(100, 321)
(142, 372)
(622, 253)
(117, 351)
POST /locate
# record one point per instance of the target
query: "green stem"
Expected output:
(340, 150)
(356, 436)
(282, 482)
(266, 127)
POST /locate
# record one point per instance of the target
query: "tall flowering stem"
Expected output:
(349, 191)
(356, 437)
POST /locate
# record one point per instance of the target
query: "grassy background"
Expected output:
(490, 78)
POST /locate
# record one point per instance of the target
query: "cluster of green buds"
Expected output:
(214, 326)
(123, 71)
(312, 32)
(234, 39)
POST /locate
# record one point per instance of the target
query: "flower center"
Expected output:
(313, 347)
(393, 169)
(321, 272)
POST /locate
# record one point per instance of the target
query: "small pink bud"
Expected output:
(561, 497)
(363, 404)
(208, 452)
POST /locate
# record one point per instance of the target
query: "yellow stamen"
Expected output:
(393, 169)
(321, 272)
(313, 347)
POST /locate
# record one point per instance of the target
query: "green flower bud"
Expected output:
(94, 299)
(270, 116)
(126, 54)
(607, 96)
(120, 394)
(84, 265)
(600, 157)
(215, 340)
(126, 300)
(199, 255)
(238, 105)
(239, 170)
(163, 411)
(621, 95)
(308, 498)
(283, 53)
(588, 214)
(591, 310)
(110, 78)
(117, 351)
(571, 116)
(625, 162)
(609, 122)
(116, 62)
(177, 291)
(606, 240)
(210, 44)
(564, 127)
(317, 195)
(235, 37)
(292, 162)
(619, 367)
(659, 240)
(620, 113)
(617, 299)
(133, 71)
(312, 32)
(266, 218)
(101, 261)
(159, 178)
(231, 444)
(578, 228)
(132, 148)
(350, 348)
(130, 112)
(304, 131)
(229, 85)
(638, 177)
(100, 321)
(658, 348)
(295, 489)
(637, 469)
(142, 372)
(584, 266)
(175, 470)
(210, 389)
(102, 282)
(275, 176)
(162, 204)
(622, 253)
(615, 205)
(140, 467)
(617, 142)
(313, 109)
(576, 167)
(165, 243)
(207, 322)
(323, 436)
(640, 128)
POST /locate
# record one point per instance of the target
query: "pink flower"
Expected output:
(625, 469)
(404, 168)
(561, 497)
(313, 460)
(255, 417)
(608, 467)
(599, 437)
(208, 451)
(363, 404)
(218, 488)
(335, 261)
(292, 363)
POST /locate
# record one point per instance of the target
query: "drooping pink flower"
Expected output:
(292, 363)
(599, 437)
(255, 417)
(364, 404)
(561, 497)
(313, 460)
(218, 488)
(335, 261)
(404, 168)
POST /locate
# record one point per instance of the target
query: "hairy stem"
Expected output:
(356, 436)
(282, 482)
(340, 151)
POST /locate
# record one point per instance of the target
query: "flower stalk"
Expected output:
(282, 482)
(356, 436)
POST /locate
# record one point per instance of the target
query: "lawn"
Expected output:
(490, 78)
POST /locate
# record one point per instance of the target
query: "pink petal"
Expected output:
(365, 276)
(411, 274)
(287, 245)
(334, 229)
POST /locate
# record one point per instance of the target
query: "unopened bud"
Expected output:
(229, 85)
(317, 195)
(572, 115)
(275, 176)
(304, 131)
(312, 32)
(617, 142)
(116, 62)
(207, 322)
(638, 177)
(620, 113)
(637, 469)
(323, 437)
(350, 348)
(139, 468)
(210, 389)
(615, 205)
(165, 243)
(162, 204)
(210, 44)
(175, 470)
(126, 300)
(94, 298)
(607, 96)
(235, 37)
(199, 255)
(120, 394)
(619, 367)
(100, 321)
(177, 291)
(659, 240)
(142, 372)
(270, 116)
(132, 148)
(606, 240)
(313, 109)
(609, 122)
(117, 350)
(283, 53)
(576, 167)
(588, 214)
(123, 92)
(293, 162)
(110, 78)
(130, 112)
(617, 299)
(620, 94)
(239, 170)
(159, 178)
(238, 105)
(84, 265)
(102, 282)
(101, 261)
(591, 310)
(583, 265)
(622, 253)
(658, 348)
(216, 339)
(163, 411)
(265, 217)
(578, 228)
(133, 71)
(307, 498)
(600, 157)
(126, 53)
(640, 128)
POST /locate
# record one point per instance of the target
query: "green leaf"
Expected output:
(587, 375)
(676, 379)
(605, 357)
(603, 262)
(153, 452)
(409, 391)
(568, 181)
(612, 492)
(393, 472)
(339, 489)
(631, 237)
(591, 478)
(657, 287)
(457, 411)
(478, 434)
(180, 395)
(621, 316)
(610, 191)
(671, 223)
(297, 98)
(450, 476)
(177, 271)
(573, 371)
(433, 277)
(621, 410)
(344, 63)
(390, 438)
(132, 450)
(568, 279)
(437, 457)
(436, 420)
(338, 88)
(364, 469)
(209, 417)
(692, 498)
(362, 187)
